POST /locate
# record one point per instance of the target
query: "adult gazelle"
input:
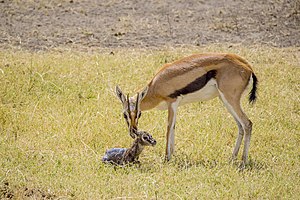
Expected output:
(198, 77)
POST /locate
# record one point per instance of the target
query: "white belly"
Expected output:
(209, 91)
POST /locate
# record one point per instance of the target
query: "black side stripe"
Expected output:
(195, 85)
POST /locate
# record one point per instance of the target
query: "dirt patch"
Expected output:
(42, 25)
(7, 192)
(37, 194)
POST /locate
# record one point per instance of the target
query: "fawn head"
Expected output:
(145, 138)
(131, 109)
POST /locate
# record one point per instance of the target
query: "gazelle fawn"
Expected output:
(198, 77)
(122, 156)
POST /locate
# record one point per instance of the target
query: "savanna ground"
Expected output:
(60, 62)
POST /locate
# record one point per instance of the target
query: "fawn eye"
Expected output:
(145, 138)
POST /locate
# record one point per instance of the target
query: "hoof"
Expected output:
(242, 166)
(167, 158)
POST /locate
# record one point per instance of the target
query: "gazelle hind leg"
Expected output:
(232, 103)
(248, 131)
(238, 140)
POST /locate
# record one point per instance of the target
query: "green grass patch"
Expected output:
(58, 115)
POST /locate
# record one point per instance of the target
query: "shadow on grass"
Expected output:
(185, 162)
(256, 165)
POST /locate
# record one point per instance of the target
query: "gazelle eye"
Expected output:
(139, 115)
(125, 116)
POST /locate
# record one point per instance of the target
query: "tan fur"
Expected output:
(229, 68)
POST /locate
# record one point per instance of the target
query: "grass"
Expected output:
(58, 115)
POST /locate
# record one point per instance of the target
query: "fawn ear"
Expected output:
(120, 94)
(138, 133)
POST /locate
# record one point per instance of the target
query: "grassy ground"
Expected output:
(58, 115)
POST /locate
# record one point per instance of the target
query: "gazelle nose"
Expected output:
(154, 142)
(133, 130)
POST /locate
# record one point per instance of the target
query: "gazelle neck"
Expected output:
(150, 100)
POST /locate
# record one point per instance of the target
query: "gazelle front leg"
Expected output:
(172, 110)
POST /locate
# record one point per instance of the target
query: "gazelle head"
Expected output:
(145, 138)
(131, 109)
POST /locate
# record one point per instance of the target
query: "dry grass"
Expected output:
(58, 115)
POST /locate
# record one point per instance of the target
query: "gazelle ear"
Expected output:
(120, 94)
(142, 95)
